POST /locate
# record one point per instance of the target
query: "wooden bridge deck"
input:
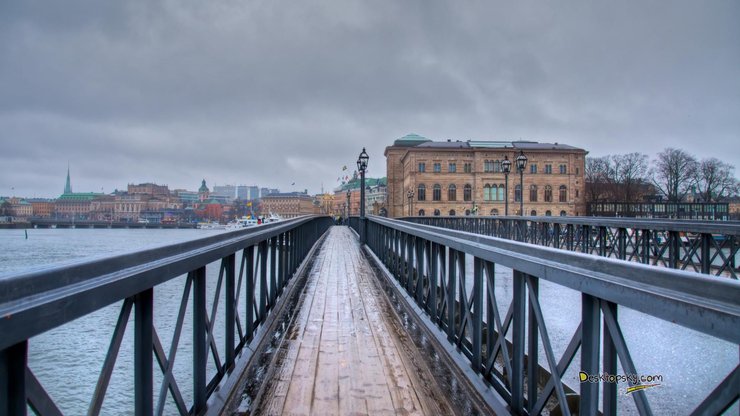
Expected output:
(343, 354)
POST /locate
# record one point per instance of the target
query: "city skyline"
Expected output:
(289, 94)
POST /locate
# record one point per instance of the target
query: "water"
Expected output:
(67, 360)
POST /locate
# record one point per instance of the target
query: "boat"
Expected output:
(210, 226)
(239, 223)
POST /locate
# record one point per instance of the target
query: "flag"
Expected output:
(249, 204)
(344, 167)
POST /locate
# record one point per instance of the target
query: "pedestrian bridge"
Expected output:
(299, 317)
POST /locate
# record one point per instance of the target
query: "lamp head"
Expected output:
(362, 161)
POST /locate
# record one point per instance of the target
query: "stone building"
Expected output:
(288, 205)
(465, 178)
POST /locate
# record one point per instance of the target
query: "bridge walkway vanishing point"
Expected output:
(343, 352)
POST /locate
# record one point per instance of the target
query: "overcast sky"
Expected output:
(275, 92)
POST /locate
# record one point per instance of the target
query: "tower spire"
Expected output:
(68, 185)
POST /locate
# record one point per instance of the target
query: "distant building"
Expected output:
(74, 204)
(465, 177)
(268, 191)
(287, 205)
(149, 189)
(42, 207)
(203, 192)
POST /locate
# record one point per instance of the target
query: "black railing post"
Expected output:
(200, 349)
(590, 338)
(518, 322)
(477, 326)
(706, 256)
(143, 347)
(249, 279)
(230, 312)
(13, 361)
(609, 404)
(533, 364)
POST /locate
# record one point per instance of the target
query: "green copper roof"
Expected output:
(203, 188)
(79, 196)
(411, 139)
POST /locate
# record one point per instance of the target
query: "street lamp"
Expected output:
(349, 194)
(521, 163)
(410, 196)
(506, 167)
(362, 166)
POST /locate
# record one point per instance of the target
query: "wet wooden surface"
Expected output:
(343, 355)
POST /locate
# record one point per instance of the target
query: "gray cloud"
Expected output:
(272, 93)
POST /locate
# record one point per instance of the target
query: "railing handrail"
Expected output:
(689, 226)
(90, 284)
(706, 304)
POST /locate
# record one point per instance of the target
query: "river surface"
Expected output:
(67, 359)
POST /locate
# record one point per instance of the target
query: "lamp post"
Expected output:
(506, 167)
(349, 194)
(410, 196)
(362, 166)
(521, 163)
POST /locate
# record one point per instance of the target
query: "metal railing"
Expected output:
(708, 247)
(33, 303)
(429, 265)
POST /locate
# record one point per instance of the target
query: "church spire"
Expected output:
(68, 185)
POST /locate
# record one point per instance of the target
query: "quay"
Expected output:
(378, 308)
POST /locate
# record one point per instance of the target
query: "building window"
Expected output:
(497, 166)
(562, 213)
(468, 167)
(421, 193)
(563, 194)
(494, 211)
(452, 213)
(436, 213)
(533, 168)
(486, 192)
(533, 213)
(452, 193)
(467, 193)
(487, 166)
(563, 169)
(576, 193)
(422, 167)
(436, 192)
(452, 167)
(533, 193)
(421, 213)
(548, 169)
(578, 171)
(517, 193)
(467, 212)
(548, 193)
(501, 192)
(548, 213)
(437, 167)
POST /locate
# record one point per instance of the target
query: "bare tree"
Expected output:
(630, 171)
(715, 180)
(596, 176)
(674, 173)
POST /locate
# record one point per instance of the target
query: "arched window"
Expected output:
(452, 213)
(497, 166)
(548, 193)
(486, 192)
(467, 212)
(533, 213)
(533, 193)
(436, 192)
(562, 213)
(517, 193)
(494, 211)
(421, 193)
(467, 192)
(494, 192)
(452, 193)
(501, 192)
(422, 213)
(486, 166)
(436, 213)
(548, 213)
(563, 197)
